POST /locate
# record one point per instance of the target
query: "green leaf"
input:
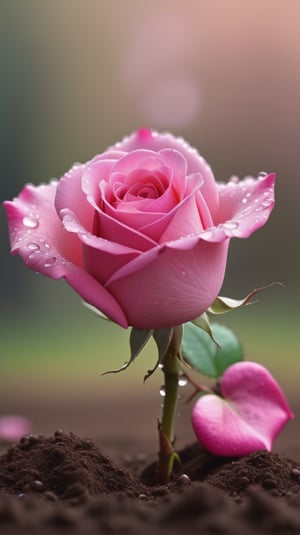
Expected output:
(138, 339)
(202, 354)
(162, 339)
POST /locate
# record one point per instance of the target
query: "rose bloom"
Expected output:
(141, 231)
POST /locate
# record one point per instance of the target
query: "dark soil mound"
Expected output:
(66, 466)
(65, 484)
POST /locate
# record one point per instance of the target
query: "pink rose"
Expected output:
(141, 231)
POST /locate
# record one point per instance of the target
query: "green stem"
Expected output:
(171, 371)
(171, 375)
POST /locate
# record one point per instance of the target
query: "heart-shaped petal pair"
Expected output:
(249, 415)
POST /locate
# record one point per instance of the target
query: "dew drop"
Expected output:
(230, 225)
(182, 381)
(267, 202)
(244, 200)
(50, 261)
(30, 221)
(162, 391)
(208, 234)
(183, 273)
(68, 218)
(183, 480)
(33, 246)
(262, 175)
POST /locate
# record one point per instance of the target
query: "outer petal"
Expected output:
(166, 287)
(37, 235)
(245, 205)
(147, 139)
(69, 194)
(35, 227)
(250, 416)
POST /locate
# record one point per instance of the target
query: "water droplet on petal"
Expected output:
(33, 246)
(208, 234)
(267, 203)
(50, 261)
(183, 273)
(162, 391)
(68, 218)
(30, 221)
(262, 175)
(230, 225)
(182, 381)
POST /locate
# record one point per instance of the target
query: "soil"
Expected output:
(63, 482)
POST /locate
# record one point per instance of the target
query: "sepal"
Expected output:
(221, 305)
(162, 339)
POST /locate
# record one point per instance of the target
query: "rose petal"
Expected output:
(69, 194)
(36, 234)
(251, 415)
(35, 227)
(115, 231)
(147, 139)
(191, 220)
(245, 205)
(141, 167)
(160, 288)
(186, 221)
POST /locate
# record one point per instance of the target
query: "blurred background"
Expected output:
(77, 76)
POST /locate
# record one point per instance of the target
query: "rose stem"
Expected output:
(170, 370)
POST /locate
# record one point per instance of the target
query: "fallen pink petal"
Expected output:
(13, 427)
(146, 213)
(249, 416)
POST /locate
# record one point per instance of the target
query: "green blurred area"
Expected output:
(67, 348)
